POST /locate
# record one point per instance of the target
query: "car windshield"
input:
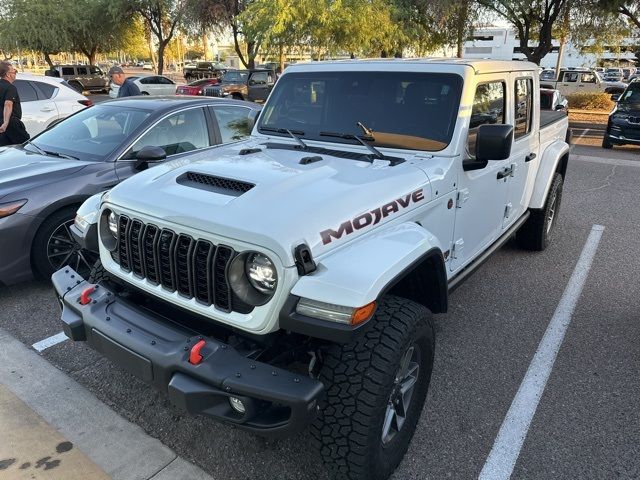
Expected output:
(631, 95)
(235, 77)
(407, 110)
(93, 133)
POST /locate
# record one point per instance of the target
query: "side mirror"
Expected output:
(615, 98)
(148, 154)
(493, 142)
(252, 82)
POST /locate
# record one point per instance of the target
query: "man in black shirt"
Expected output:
(127, 87)
(12, 130)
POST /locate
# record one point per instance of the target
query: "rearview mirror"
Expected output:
(147, 154)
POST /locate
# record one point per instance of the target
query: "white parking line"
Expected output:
(506, 448)
(50, 342)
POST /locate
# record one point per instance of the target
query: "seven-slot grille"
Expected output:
(194, 268)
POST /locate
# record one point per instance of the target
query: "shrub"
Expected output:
(590, 101)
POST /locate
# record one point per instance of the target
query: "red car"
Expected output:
(195, 88)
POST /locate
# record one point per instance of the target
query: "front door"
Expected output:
(482, 194)
(259, 86)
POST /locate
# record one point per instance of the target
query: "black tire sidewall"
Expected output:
(555, 196)
(39, 259)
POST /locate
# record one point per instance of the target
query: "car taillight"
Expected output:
(86, 103)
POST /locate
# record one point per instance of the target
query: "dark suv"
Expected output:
(254, 85)
(82, 77)
(624, 121)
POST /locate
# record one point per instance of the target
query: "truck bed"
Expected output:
(547, 117)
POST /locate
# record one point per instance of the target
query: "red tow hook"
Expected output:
(84, 296)
(194, 356)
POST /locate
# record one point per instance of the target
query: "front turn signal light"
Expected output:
(10, 208)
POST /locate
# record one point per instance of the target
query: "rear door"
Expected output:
(569, 82)
(588, 82)
(166, 86)
(37, 112)
(524, 159)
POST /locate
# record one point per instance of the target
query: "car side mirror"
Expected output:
(252, 82)
(615, 97)
(559, 107)
(147, 154)
(493, 142)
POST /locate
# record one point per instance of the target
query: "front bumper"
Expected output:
(278, 402)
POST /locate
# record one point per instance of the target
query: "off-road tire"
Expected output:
(606, 143)
(359, 379)
(536, 233)
(98, 273)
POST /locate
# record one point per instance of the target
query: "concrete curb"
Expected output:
(122, 449)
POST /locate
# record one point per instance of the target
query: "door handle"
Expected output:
(505, 173)
(530, 157)
(47, 109)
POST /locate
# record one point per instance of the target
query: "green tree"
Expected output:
(114, 32)
(41, 26)
(629, 8)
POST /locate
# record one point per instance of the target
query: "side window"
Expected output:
(178, 133)
(164, 81)
(571, 77)
(146, 80)
(95, 71)
(26, 92)
(47, 90)
(259, 78)
(523, 107)
(488, 108)
(233, 122)
(82, 70)
(588, 78)
(68, 71)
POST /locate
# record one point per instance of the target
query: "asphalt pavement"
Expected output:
(586, 424)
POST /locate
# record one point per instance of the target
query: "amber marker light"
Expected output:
(10, 208)
(362, 314)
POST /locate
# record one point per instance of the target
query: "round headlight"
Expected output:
(261, 273)
(113, 224)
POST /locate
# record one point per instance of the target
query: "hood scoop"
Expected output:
(211, 183)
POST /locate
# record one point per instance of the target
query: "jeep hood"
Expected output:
(287, 203)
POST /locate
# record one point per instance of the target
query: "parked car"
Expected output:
(147, 66)
(254, 85)
(623, 126)
(204, 70)
(115, 88)
(627, 72)
(82, 77)
(582, 80)
(42, 182)
(196, 88)
(551, 99)
(46, 100)
(613, 74)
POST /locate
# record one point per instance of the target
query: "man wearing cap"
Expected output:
(127, 87)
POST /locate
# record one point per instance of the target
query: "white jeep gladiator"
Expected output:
(289, 280)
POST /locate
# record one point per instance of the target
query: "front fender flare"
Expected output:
(365, 269)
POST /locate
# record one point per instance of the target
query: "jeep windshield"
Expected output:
(238, 76)
(408, 110)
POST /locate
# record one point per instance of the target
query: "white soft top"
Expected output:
(415, 64)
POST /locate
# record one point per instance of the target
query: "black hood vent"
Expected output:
(211, 183)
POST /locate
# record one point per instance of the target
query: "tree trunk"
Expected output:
(47, 59)
(281, 56)
(205, 44)
(463, 13)
(251, 54)
(161, 46)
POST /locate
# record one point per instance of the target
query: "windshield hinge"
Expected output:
(463, 196)
(304, 260)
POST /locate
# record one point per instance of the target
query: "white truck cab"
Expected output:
(366, 193)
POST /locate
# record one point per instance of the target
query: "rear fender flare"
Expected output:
(552, 161)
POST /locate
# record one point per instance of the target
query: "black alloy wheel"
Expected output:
(63, 250)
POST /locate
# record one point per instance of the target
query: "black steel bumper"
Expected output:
(277, 402)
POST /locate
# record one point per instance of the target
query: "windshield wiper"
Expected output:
(40, 151)
(351, 136)
(50, 154)
(292, 133)
(60, 155)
